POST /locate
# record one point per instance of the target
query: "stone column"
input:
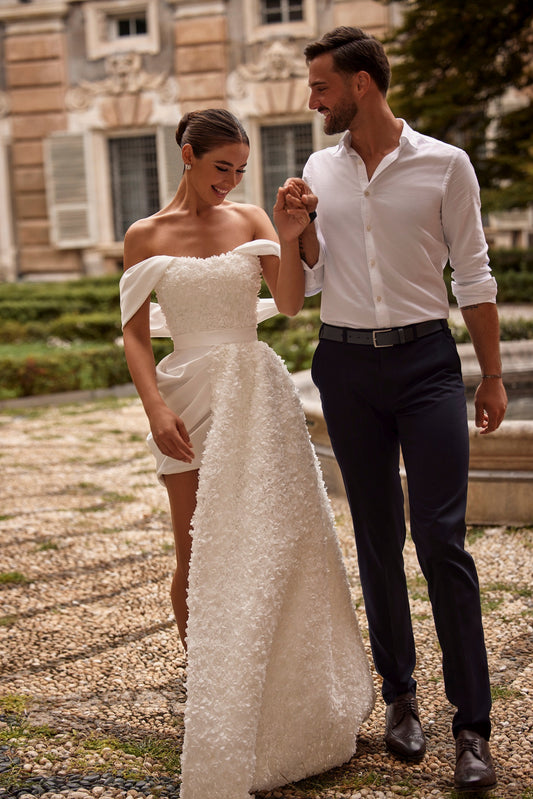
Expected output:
(8, 253)
(35, 61)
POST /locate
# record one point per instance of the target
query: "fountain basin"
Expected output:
(501, 464)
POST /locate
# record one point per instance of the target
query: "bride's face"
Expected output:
(219, 171)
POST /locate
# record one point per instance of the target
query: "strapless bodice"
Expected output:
(217, 293)
(199, 294)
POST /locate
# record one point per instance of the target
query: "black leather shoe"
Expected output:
(403, 732)
(473, 764)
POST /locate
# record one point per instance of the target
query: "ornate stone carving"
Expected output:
(123, 94)
(279, 61)
(273, 85)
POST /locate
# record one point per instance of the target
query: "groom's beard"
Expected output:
(340, 116)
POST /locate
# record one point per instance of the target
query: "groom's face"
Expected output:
(331, 94)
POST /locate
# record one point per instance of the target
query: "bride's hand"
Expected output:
(291, 216)
(299, 189)
(170, 434)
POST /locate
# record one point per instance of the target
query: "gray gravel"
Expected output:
(92, 670)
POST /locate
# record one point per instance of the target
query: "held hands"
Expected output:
(170, 434)
(293, 205)
(490, 404)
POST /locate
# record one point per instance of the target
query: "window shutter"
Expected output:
(67, 190)
(168, 162)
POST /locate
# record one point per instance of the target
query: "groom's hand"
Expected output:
(299, 190)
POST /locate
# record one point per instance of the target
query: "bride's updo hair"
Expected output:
(208, 129)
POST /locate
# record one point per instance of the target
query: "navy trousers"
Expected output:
(376, 400)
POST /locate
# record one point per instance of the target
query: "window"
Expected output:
(284, 19)
(134, 180)
(134, 25)
(276, 11)
(120, 26)
(96, 185)
(285, 150)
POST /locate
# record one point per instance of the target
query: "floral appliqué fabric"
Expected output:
(278, 682)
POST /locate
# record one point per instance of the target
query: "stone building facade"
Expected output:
(90, 95)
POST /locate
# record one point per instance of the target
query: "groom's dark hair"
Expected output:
(353, 50)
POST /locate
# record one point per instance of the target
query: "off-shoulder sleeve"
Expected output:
(259, 247)
(136, 285)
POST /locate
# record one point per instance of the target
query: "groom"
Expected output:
(393, 207)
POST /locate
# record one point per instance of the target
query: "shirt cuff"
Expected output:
(475, 293)
(314, 275)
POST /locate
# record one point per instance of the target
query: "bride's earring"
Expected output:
(187, 166)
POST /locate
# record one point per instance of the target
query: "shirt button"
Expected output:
(369, 227)
(372, 262)
(378, 299)
(367, 193)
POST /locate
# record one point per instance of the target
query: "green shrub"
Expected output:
(87, 310)
(516, 329)
(29, 310)
(511, 260)
(161, 347)
(13, 332)
(295, 347)
(515, 287)
(31, 303)
(94, 287)
(65, 370)
(68, 327)
(86, 327)
(513, 270)
(293, 338)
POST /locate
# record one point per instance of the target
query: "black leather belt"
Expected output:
(385, 337)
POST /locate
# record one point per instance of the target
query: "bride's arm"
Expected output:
(284, 276)
(167, 428)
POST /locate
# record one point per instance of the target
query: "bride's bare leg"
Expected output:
(182, 496)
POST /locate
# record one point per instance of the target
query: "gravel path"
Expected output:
(92, 671)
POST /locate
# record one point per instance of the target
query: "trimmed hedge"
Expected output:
(90, 287)
(80, 320)
(42, 308)
(515, 286)
(68, 327)
(105, 366)
(511, 260)
(68, 370)
(63, 370)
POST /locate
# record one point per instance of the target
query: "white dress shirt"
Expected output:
(384, 243)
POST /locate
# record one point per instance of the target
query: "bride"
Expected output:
(278, 682)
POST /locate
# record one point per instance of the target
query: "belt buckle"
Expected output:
(374, 340)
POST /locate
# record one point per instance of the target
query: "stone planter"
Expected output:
(501, 465)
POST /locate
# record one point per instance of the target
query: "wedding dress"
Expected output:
(278, 682)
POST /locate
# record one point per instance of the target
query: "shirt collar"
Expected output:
(407, 136)
(344, 146)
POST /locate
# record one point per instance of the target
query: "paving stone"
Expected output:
(88, 638)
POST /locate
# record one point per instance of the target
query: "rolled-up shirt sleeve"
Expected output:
(472, 279)
(314, 275)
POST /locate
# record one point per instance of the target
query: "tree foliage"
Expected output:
(463, 72)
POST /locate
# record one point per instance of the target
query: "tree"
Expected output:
(463, 72)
